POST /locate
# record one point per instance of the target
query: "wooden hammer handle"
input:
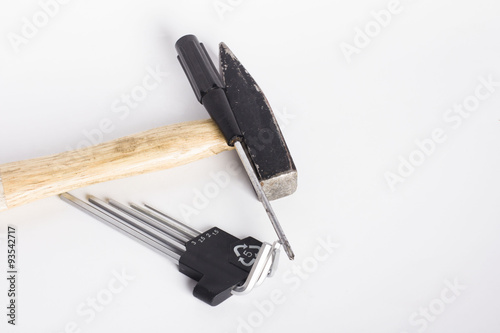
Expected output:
(161, 148)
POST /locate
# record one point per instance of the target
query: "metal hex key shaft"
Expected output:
(263, 198)
(129, 226)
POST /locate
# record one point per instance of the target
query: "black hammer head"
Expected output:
(266, 145)
(241, 110)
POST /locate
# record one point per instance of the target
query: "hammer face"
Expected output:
(266, 146)
(280, 186)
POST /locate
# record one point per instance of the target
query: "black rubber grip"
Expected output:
(207, 85)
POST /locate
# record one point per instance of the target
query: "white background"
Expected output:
(348, 122)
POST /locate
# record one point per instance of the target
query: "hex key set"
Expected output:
(222, 264)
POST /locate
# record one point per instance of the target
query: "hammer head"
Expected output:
(240, 108)
(265, 143)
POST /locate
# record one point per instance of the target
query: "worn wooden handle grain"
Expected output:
(161, 148)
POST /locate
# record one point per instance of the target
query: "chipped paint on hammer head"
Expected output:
(266, 146)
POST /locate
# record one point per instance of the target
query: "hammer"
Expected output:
(242, 119)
